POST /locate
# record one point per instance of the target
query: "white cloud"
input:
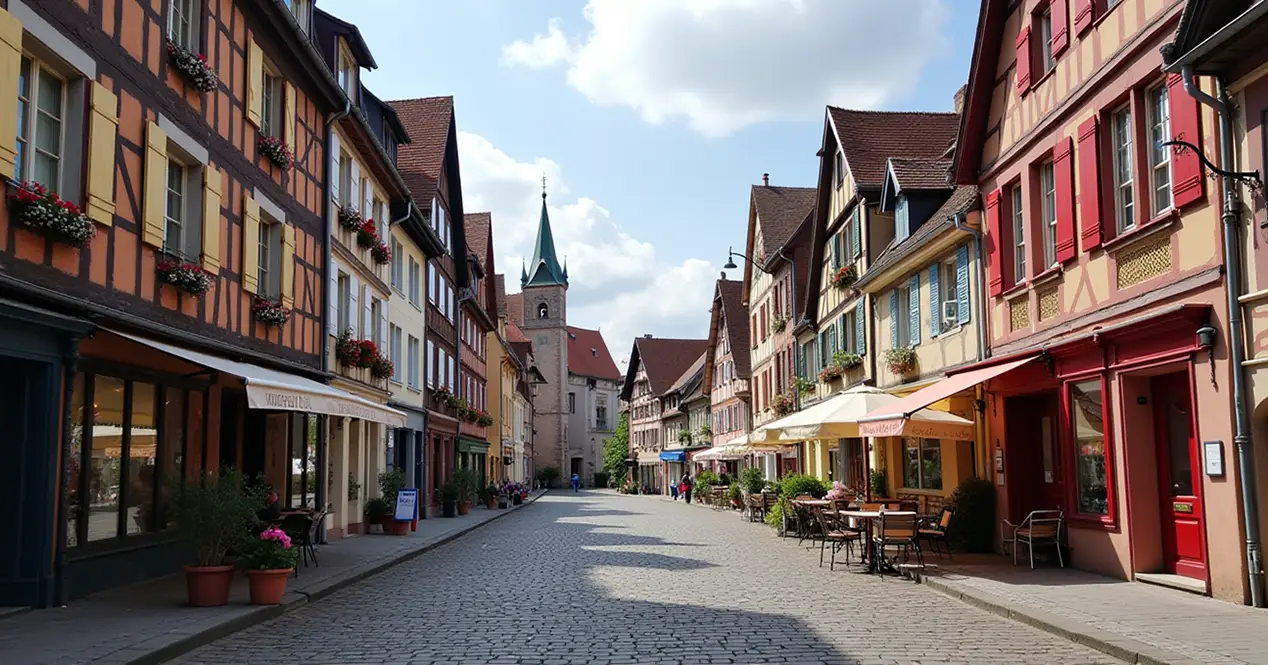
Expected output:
(618, 283)
(726, 64)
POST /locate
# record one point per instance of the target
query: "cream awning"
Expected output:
(274, 390)
(727, 451)
(834, 418)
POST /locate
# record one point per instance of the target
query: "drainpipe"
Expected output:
(1236, 341)
(958, 221)
(323, 423)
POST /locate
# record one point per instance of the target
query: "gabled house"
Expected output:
(477, 309)
(680, 426)
(594, 384)
(654, 368)
(727, 368)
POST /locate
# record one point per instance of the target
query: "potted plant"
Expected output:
(483, 419)
(488, 494)
(381, 253)
(504, 501)
(449, 500)
(377, 511)
(733, 493)
(381, 367)
(390, 484)
(188, 277)
(193, 66)
(268, 560)
(467, 482)
(44, 212)
(900, 360)
(843, 277)
(276, 151)
(270, 312)
(779, 324)
(782, 404)
(803, 385)
(212, 516)
(367, 234)
(349, 218)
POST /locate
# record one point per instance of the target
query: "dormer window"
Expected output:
(902, 219)
(302, 10)
(347, 73)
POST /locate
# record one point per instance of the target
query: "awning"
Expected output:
(648, 459)
(727, 451)
(834, 418)
(896, 418)
(673, 455)
(466, 444)
(279, 391)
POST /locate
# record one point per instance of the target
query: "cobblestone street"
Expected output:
(599, 578)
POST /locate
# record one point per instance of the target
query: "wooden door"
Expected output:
(1179, 477)
(1032, 459)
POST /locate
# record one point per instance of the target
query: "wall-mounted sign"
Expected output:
(406, 504)
(1214, 454)
(1182, 507)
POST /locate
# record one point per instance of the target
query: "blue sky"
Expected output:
(653, 119)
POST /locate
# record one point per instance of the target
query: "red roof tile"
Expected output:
(588, 355)
(922, 173)
(731, 293)
(515, 308)
(514, 334)
(689, 374)
(499, 286)
(427, 121)
(665, 360)
(780, 210)
(870, 138)
(478, 227)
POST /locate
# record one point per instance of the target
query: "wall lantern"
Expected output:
(1206, 341)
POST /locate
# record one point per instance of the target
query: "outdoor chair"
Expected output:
(836, 532)
(897, 532)
(934, 529)
(1040, 528)
(297, 526)
(769, 501)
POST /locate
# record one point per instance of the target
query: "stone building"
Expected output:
(594, 384)
(655, 366)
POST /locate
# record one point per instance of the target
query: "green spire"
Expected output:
(545, 265)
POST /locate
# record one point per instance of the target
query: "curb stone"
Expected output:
(292, 601)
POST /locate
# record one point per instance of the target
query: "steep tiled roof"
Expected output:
(427, 120)
(514, 334)
(685, 380)
(664, 359)
(499, 285)
(588, 355)
(921, 173)
(870, 138)
(731, 293)
(515, 308)
(962, 200)
(780, 210)
(478, 226)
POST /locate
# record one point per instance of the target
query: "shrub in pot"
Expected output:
(268, 560)
(377, 511)
(752, 481)
(213, 516)
(449, 500)
(488, 495)
(467, 482)
(973, 526)
(390, 484)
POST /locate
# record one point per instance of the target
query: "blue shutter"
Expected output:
(860, 337)
(856, 222)
(823, 349)
(913, 300)
(836, 252)
(935, 308)
(893, 319)
(832, 341)
(842, 336)
(962, 284)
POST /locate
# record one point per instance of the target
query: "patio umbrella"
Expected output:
(834, 418)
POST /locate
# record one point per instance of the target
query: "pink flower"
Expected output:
(277, 535)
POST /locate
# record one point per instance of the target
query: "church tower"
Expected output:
(545, 286)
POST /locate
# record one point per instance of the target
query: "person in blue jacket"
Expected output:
(576, 482)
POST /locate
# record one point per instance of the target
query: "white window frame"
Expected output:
(1048, 199)
(27, 148)
(431, 365)
(302, 11)
(175, 218)
(414, 286)
(903, 316)
(188, 10)
(1045, 41)
(1019, 234)
(344, 284)
(398, 265)
(269, 257)
(1158, 111)
(948, 283)
(412, 354)
(1121, 147)
(345, 181)
(394, 351)
(272, 99)
(347, 72)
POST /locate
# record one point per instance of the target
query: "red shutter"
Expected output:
(994, 246)
(1186, 122)
(1063, 180)
(1023, 60)
(1060, 32)
(1090, 184)
(1084, 14)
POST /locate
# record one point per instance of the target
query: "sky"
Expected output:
(651, 120)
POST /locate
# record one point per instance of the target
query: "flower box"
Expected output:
(844, 277)
(349, 218)
(188, 277)
(193, 66)
(47, 214)
(355, 352)
(780, 324)
(367, 235)
(782, 404)
(483, 419)
(381, 253)
(900, 360)
(270, 312)
(381, 367)
(276, 151)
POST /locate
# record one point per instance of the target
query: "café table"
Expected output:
(806, 528)
(870, 516)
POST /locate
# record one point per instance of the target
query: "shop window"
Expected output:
(922, 464)
(182, 23)
(1087, 421)
(301, 490)
(1159, 111)
(141, 462)
(1121, 137)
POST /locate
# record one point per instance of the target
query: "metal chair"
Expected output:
(1041, 527)
(898, 532)
(934, 529)
(835, 532)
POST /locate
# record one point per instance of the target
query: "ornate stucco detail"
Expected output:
(1150, 259)
(1049, 303)
(1019, 313)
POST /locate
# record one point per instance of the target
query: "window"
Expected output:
(376, 320)
(902, 219)
(601, 417)
(438, 222)
(271, 101)
(347, 74)
(572, 402)
(1121, 135)
(846, 338)
(398, 265)
(1019, 237)
(175, 212)
(269, 256)
(838, 167)
(345, 302)
(413, 282)
(922, 464)
(431, 364)
(302, 10)
(41, 112)
(1048, 190)
(380, 215)
(345, 181)
(1159, 110)
(182, 23)
(440, 292)
(431, 283)
(452, 312)
(1045, 41)
(543, 311)
(394, 351)
(1087, 420)
(902, 315)
(947, 282)
(413, 362)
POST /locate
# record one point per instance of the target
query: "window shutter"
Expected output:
(334, 179)
(860, 335)
(250, 244)
(935, 306)
(1063, 183)
(367, 314)
(1060, 30)
(255, 82)
(383, 330)
(212, 184)
(354, 312)
(1090, 184)
(832, 340)
(893, 319)
(913, 301)
(354, 197)
(103, 136)
(1084, 15)
(836, 251)
(857, 221)
(289, 119)
(332, 313)
(153, 205)
(1186, 121)
(843, 336)
(1023, 60)
(367, 203)
(995, 246)
(962, 284)
(10, 66)
(288, 265)
(823, 349)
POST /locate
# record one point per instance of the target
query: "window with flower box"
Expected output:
(271, 101)
(182, 23)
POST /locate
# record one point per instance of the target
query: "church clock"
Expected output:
(543, 339)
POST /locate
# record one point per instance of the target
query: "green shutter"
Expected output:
(856, 222)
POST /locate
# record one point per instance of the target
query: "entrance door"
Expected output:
(1032, 458)
(576, 465)
(29, 448)
(1179, 477)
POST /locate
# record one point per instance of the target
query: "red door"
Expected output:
(1179, 477)
(1032, 456)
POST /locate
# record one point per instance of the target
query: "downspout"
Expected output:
(323, 423)
(1236, 340)
(979, 325)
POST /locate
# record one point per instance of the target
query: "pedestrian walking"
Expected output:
(685, 487)
(673, 492)
(576, 482)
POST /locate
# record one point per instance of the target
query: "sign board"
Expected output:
(406, 504)
(1214, 454)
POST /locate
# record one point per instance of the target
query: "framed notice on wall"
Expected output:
(1214, 453)
(406, 504)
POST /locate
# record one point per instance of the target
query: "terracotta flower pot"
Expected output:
(395, 527)
(517, 499)
(464, 507)
(208, 586)
(490, 503)
(268, 586)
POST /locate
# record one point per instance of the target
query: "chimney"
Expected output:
(959, 98)
(647, 336)
(765, 180)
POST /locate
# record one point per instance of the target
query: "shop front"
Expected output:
(407, 449)
(651, 475)
(473, 454)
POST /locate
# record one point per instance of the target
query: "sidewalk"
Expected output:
(1133, 621)
(150, 623)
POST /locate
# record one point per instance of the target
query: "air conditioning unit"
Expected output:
(950, 314)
